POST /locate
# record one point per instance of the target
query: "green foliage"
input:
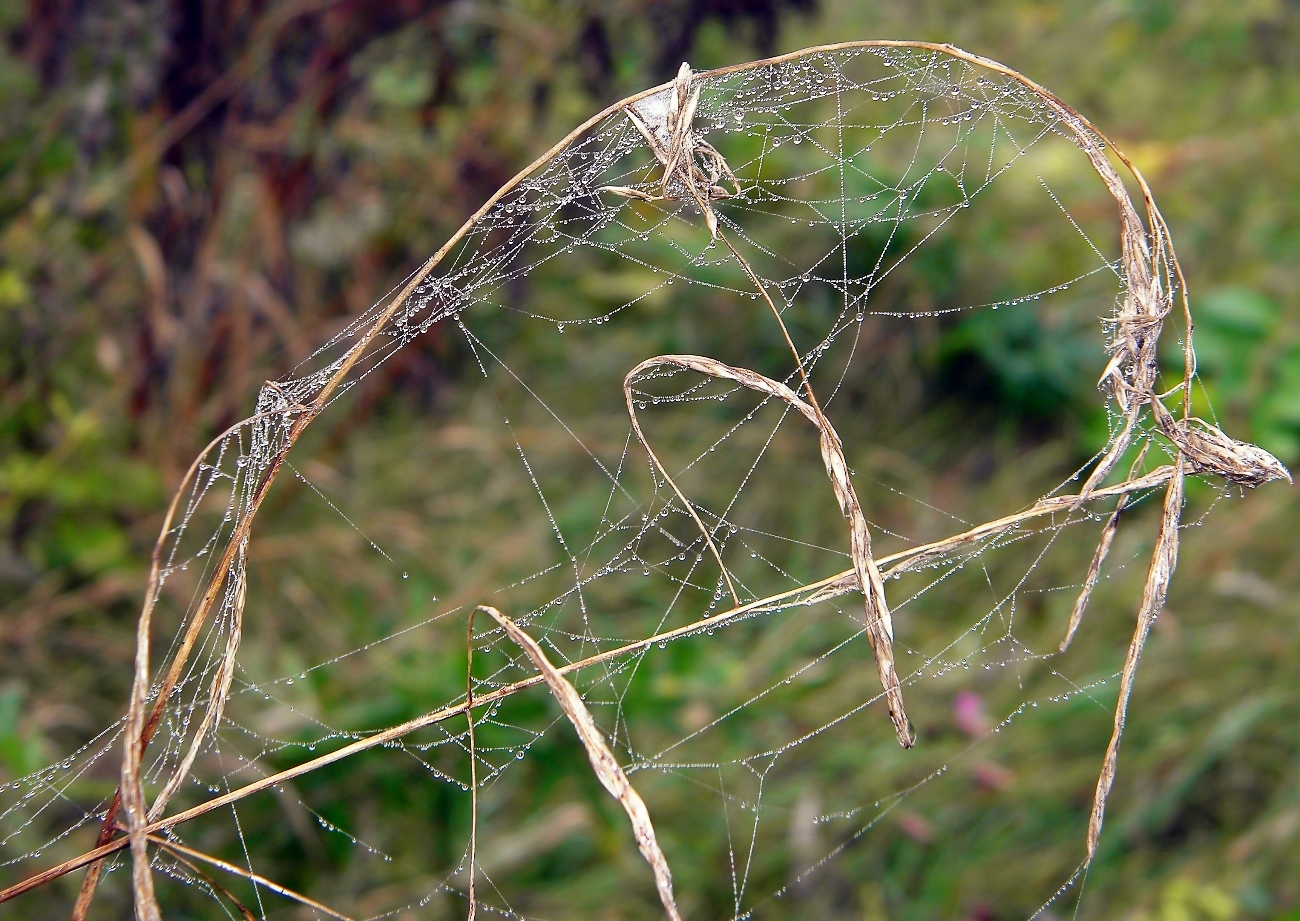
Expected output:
(20, 750)
(1036, 371)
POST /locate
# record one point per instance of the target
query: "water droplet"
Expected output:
(406, 575)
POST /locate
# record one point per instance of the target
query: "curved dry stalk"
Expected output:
(880, 628)
(108, 826)
(841, 583)
(680, 156)
(603, 762)
(879, 625)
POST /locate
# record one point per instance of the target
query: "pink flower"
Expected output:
(915, 826)
(968, 714)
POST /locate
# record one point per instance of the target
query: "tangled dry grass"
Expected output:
(693, 170)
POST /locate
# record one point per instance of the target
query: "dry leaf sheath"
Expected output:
(691, 164)
(1163, 561)
(1099, 555)
(607, 770)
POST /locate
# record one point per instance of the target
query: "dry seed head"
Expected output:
(1209, 450)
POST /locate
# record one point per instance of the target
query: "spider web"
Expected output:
(726, 692)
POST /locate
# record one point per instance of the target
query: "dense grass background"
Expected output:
(193, 196)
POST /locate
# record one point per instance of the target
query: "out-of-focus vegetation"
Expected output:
(195, 195)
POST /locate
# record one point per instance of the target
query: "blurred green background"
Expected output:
(194, 195)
